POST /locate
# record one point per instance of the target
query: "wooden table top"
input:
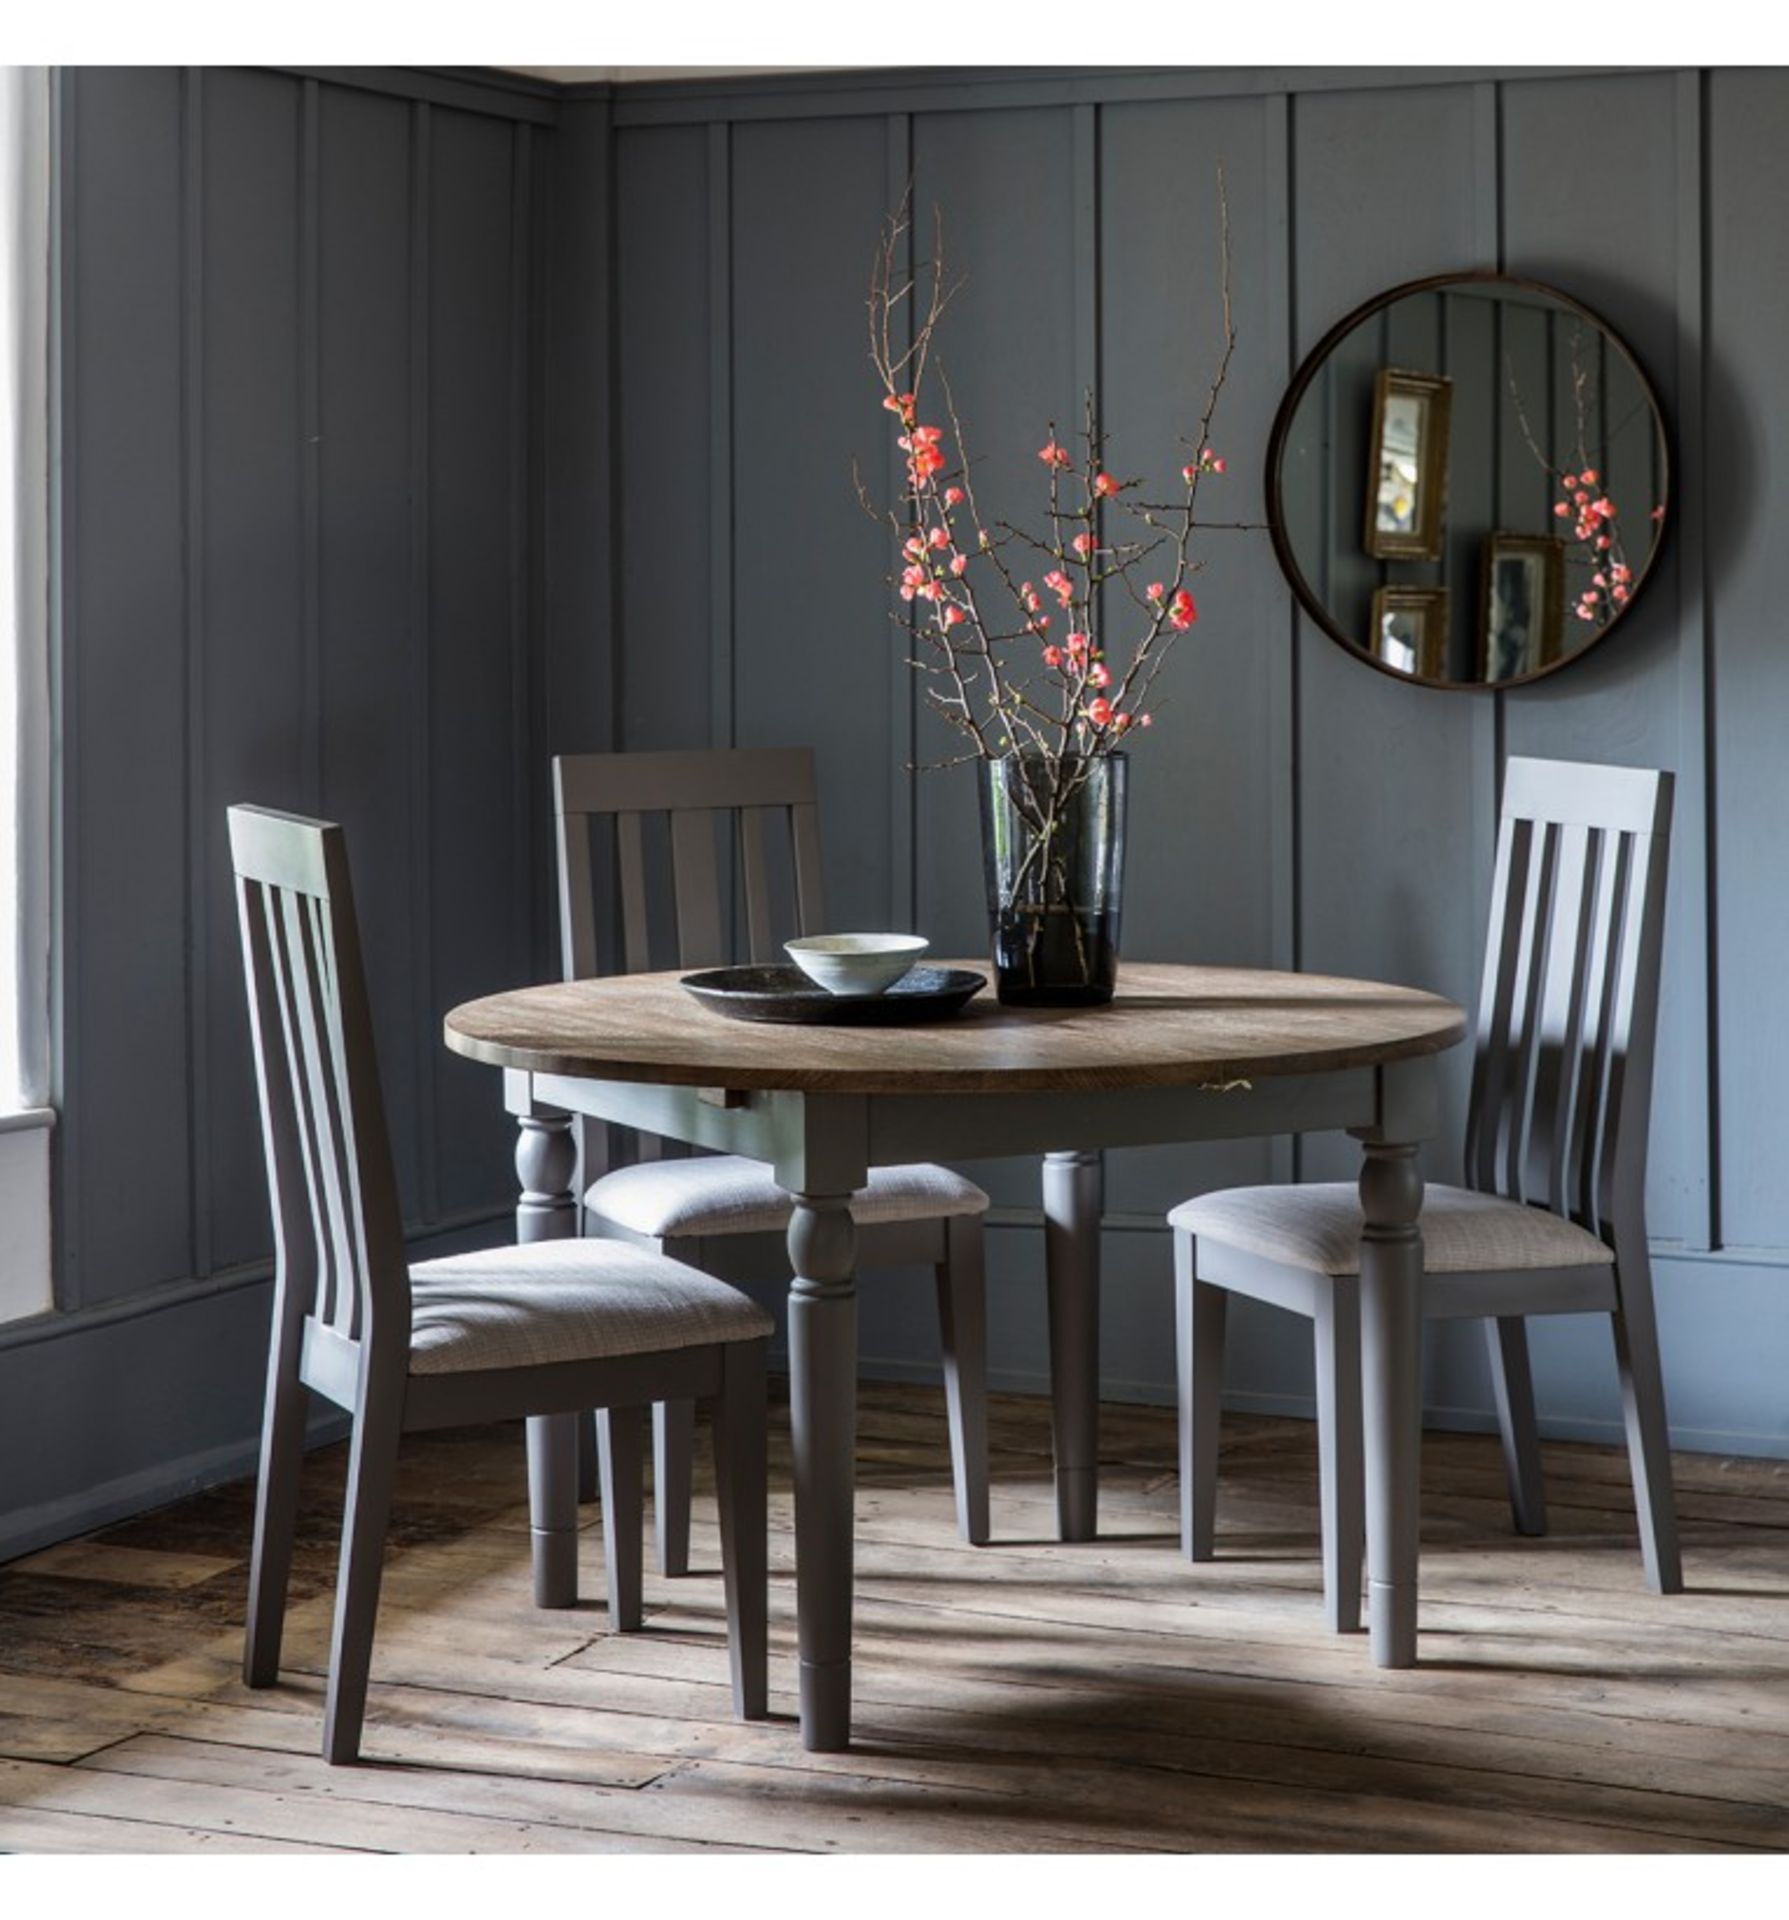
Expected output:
(1168, 1026)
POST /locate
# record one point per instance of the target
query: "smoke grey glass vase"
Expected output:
(1053, 840)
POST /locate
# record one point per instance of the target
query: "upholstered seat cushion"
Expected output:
(567, 1300)
(724, 1193)
(1318, 1227)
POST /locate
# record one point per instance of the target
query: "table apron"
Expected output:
(813, 1138)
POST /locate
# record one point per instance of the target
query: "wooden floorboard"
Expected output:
(1022, 1698)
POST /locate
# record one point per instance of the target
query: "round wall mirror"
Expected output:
(1467, 481)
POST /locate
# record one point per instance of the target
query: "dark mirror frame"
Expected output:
(1312, 364)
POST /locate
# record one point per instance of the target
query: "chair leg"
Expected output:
(1648, 1435)
(673, 1440)
(963, 1331)
(372, 1469)
(1200, 1311)
(587, 1477)
(1512, 1388)
(276, 1517)
(1341, 1476)
(740, 1446)
(553, 1506)
(621, 1450)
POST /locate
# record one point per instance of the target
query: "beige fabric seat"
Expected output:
(567, 1300)
(725, 1194)
(1317, 1228)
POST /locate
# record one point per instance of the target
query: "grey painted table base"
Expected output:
(822, 1146)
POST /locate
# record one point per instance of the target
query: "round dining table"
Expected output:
(1181, 1054)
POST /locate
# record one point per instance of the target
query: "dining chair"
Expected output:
(522, 1332)
(1552, 1217)
(722, 1212)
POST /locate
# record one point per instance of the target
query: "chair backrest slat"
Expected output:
(695, 880)
(1562, 1081)
(754, 874)
(339, 1238)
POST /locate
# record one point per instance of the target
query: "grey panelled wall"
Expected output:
(1292, 807)
(415, 426)
(299, 540)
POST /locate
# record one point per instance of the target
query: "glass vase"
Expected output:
(1053, 841)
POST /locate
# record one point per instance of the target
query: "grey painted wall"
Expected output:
(415, 428)
(300, 563)
(1293, 808)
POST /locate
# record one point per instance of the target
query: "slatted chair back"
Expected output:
(338, 1235)
(762, 792)
(1562, 1082)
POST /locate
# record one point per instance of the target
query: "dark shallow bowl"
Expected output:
(788, 996)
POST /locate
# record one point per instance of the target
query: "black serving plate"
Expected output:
(787, 996)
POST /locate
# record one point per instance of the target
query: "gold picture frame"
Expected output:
(1521, 605)
(1407, 464)
(1409, 633)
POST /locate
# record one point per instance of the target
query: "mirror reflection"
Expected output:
(1469, 482)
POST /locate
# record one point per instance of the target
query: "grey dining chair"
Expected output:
(720, 1212)
(1552, 1217)
(537, 1333)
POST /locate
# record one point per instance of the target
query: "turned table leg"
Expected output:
(823, 1432)
(1074, 1186)
(1391, 1271)
(547, 1171)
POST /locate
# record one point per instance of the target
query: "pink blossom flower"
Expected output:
(1082, 544)
(1618, 593)
(959, 564)
(1219, 464)
(1622, 572)
(1568, 480)
(1061, 585)
(913, 546)
(1099, 674)
(1028, 596)
(1077, 645)
(1104, 485)
(1052, 656)
(1052, 455)
(1190, 472)
(953, 496)
(1603, 543)
(1605, 507)
(1100, 711)
(953, 616)
(1561, 510)
(1599, 580)
(1658, 513)
(1155, 590)
(1122, 721)
(1588, 476)
(1146, 719)
(939, 537)
(1181, 610)
(901, 403)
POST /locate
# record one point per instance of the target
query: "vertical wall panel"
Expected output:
(1198, 884)
(1602, 227)
(370, 722)
(662, 305)
(251, 592)
(1747, 464)
(1386, 808)
(126, 1220)
(810, 608)
(1006, 185)
(479, 899)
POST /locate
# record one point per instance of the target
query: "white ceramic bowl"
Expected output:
(856, 962)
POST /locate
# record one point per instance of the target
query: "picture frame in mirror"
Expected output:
(1407, 464)
(1409, 633)
(1521, 612)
